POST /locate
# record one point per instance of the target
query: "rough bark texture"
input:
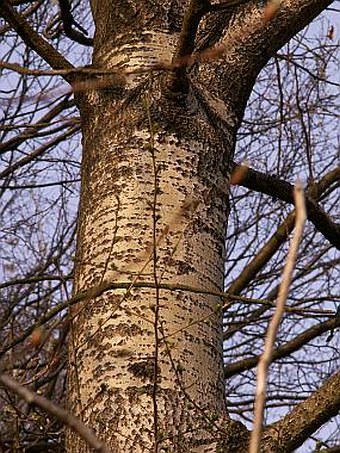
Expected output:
(146, 365)
(115, 334)
(149, 363)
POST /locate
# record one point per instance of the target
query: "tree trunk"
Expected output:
(146, 369)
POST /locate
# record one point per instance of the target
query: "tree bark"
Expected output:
(147, 370)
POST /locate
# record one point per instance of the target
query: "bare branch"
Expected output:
(285, 350)
(192, 18)
(71, 129)
(68, 21)
(98, 290)
(186, 43)
(276, 188)
(31, 131)
(279, 237)
(57, 72)
(34, 40)
(293, 430)
(64, 416)
(255, 39)
(273, 327)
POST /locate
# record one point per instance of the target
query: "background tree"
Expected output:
(160, 108)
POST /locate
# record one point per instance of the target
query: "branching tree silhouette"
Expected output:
(164, 308)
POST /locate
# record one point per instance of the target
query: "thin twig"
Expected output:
(266, 358)
(156, 308)
(68, 419)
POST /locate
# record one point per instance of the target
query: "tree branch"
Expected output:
(279, 237)
(186, 43)
(60, 413)
(32, 130)
(286, 349)
(291, 17)
(267, 356)
(38, 151)
(250, 40)
(32, 39)
(68, 21)
(276, 188)
(295, 428)
(191, 20)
